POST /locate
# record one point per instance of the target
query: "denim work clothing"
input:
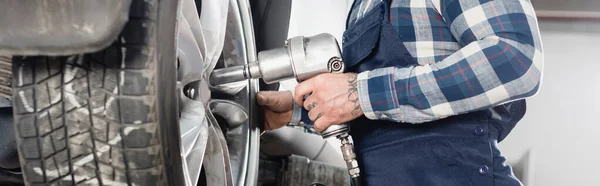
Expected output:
(456, 150)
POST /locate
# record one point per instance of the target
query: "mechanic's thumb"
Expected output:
(262, 99)
(274, 100)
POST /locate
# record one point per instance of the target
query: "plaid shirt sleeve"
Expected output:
(500, 61)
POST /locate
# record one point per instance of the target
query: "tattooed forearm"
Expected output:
(353, 93)
(352, 88)
(356, 110)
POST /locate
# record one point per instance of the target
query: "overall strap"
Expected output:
(350, 12)
(389, 3)
(357, 4)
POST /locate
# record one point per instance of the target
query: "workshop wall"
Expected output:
(311, 17)
(558, 141)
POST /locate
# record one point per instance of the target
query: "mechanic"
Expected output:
(431, 87)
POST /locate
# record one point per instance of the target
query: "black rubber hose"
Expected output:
(356, 181)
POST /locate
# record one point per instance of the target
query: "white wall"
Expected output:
(562, 124)
(312, 17)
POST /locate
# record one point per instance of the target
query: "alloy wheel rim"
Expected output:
(224, 156)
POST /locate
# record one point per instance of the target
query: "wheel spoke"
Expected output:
(225, 157)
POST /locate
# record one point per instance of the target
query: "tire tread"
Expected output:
(91, 119)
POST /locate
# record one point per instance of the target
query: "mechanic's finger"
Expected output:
(279, 101)
(274, 120)
(269, 124)
(310, 103)
(315, 114)
(264, 97)
(303, 89)
(322, 123)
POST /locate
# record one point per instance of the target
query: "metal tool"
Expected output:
(341, 133)
(300, 58)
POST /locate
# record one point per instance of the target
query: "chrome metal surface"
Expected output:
(234, 113)
(202, 141)
(236, 74)
(213, 18)
(188, 54)
(301, 58)
(253, 132)
(223, 32)
(317, 52)
(336, 64)
(191, 51)
(341, 133)
(229, 75)
(335, 130)
(216, 157)
(194, 130)
(235, 54)
(190, 91)
(276, 64)
(349, 156)
(190, 13)
(234, 50)
(193, 126)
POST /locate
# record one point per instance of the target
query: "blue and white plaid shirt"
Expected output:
(472, 55)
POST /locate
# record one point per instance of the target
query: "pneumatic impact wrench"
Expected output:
(300, 58)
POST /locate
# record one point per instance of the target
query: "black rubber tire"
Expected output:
(104, 118)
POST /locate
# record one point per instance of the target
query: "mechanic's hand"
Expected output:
(333, 99)
(277, 107)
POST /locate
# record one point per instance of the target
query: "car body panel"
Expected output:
(61, 27)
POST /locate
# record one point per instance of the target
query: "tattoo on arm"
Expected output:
(353, 93)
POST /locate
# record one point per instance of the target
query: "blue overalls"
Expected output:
(457, 151)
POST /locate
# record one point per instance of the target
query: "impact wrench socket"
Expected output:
(300, 58)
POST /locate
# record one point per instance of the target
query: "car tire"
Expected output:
(103, 118)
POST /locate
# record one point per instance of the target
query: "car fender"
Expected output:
(49, 27)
